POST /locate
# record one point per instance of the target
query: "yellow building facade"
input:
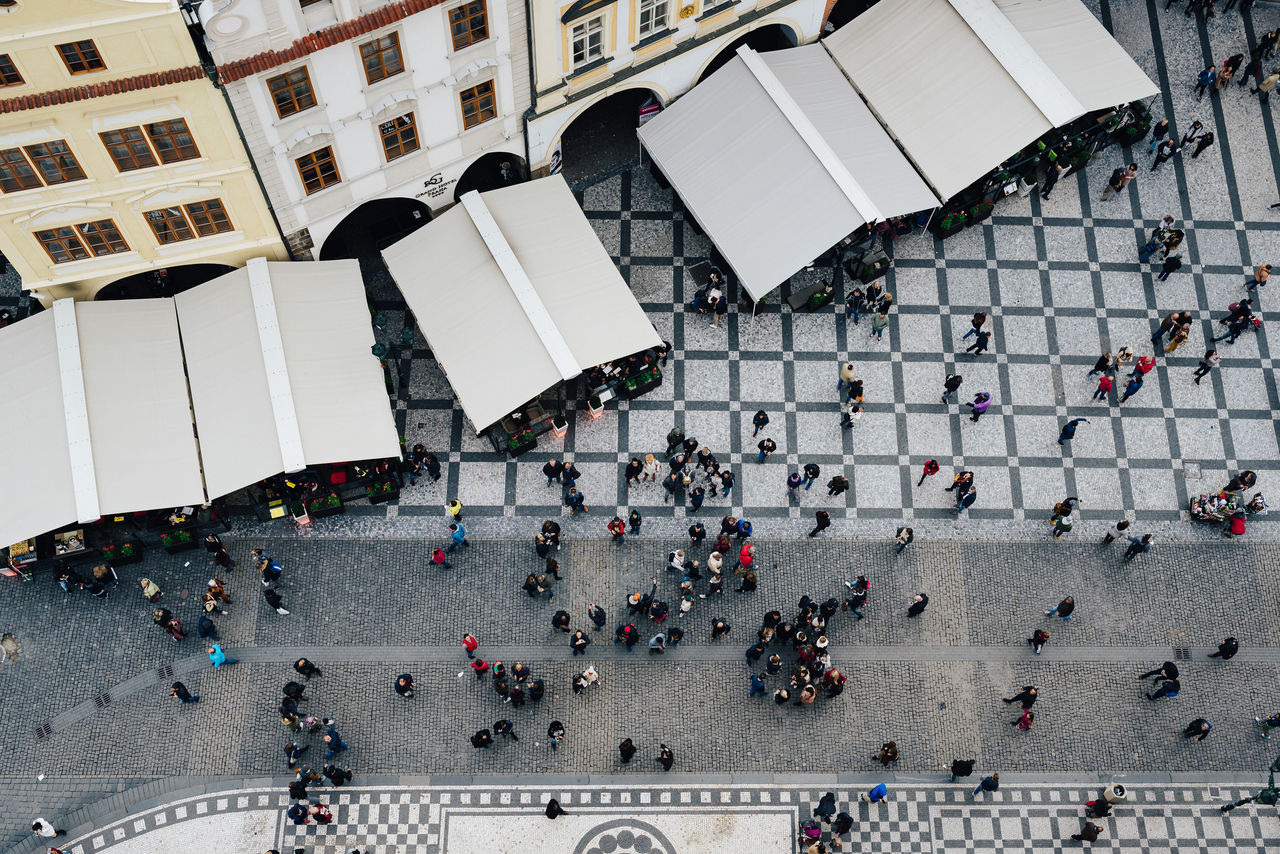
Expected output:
(119, 157)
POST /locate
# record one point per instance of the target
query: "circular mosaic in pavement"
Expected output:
(624, 836)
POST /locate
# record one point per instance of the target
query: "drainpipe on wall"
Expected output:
(212, 72)
(533, 90)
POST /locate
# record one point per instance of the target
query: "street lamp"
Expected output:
(1269, 796)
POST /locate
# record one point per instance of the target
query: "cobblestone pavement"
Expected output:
(1062, 283)
(96, 673)
(687, 816)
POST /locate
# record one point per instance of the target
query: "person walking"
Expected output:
(1131, 388)
(1027, 697)
(1105, 385)
(1063, 609)
(823, 521)
(977, 322)
(457, 536)
(759, 421)
(217, 657)
(846, 375)
(626, 750)
(887, 753)
(878, 794)
(1061, 525)
(878, 324)
(1164, 152)
(1266, 725)
(838, 485)
(1069, 430)
(1227, 649)
(1166, 688)
(1266, 85)
(666, 758)
(1088, 833)
(1198, 729)
(811, 473)
(1171, 264)
(918, 603)
(719, 628)
(793, 484)
(931, 468)
(1201, 144)
(1137, 546)
(1159, 131)
(1178, 338)
(1260, 276)
(988, 784)
(180, 691)
(470, 645)
(1206, 78)
(903, 538)
(961, 768)
(1051, 175)
(555, 734)
(306, 668)
(1208, 362)
(951, 384)
(980, 404)
(1038, 639)
(766, 446)
(1119, 179)
(1116, 532)
(44, 828)
(965, 498)
(979, 345)
(274, 600)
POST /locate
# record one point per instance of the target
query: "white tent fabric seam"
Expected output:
(283, 408)
(791, 111)
(1020, 60)
(84, 482)
(518, 280)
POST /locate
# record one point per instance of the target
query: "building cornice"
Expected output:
(321, 39)
(102, 89)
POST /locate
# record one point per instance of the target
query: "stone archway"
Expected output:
(603, 136)
(161, 283)
(761, 40)
(491, 171)
(373, 226)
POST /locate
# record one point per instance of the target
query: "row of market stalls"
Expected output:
(119, 407)
(907, 108)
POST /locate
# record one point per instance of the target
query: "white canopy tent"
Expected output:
(281, 373)
(99, 417)
(100, 410)
(1007, 72)
(778, 159)
(514, 293)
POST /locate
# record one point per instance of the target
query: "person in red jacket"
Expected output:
(440, 559)
(746, 559)
(930, 469)
(1105, 384)
(470, 644)
(617, 528)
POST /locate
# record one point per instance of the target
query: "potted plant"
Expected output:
(978, 212)
(522, 440)
(324, 505)
(382, 490)
(177, 541)
(559, 426)
(949, 223)
(595, 406)
(121, 554)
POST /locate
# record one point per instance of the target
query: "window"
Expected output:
(653, 17)
(128, 148)
(399, 137)
(81, 57)
(16, 173)
(54, 162)
(291, 92)
(62, 244)
(184, 223)
(477, 104)
(9, 75)
(172, 141)
(305, 3)
(208, 217)
(588, 38)
(68, 243)
(469, 24)
(318, 170)
(102, 237)
(381, 58)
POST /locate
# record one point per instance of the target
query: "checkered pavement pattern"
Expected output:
(384, 820)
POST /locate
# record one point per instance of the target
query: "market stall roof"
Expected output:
(514, 293)
(100, 420)
(281, 373)
(1008, 72)
(778, 159)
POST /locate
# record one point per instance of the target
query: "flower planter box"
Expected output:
(559, 426)
(328, 505)
(977, 213)
(595, 406)
(522, 442)
(382, 491)
(178, 541)
(949, 224)
(873, 267)
(122, 554)
(645, 381)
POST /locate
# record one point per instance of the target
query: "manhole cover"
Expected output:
(1181, 653)
(43, 731)
(1191, 471)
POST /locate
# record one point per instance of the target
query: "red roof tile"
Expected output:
(321, 39)
(100, 90)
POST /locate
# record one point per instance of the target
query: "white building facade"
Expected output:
(376, 105)
(585, 51)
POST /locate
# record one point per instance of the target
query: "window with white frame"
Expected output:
(588, 41)
(653, 17)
